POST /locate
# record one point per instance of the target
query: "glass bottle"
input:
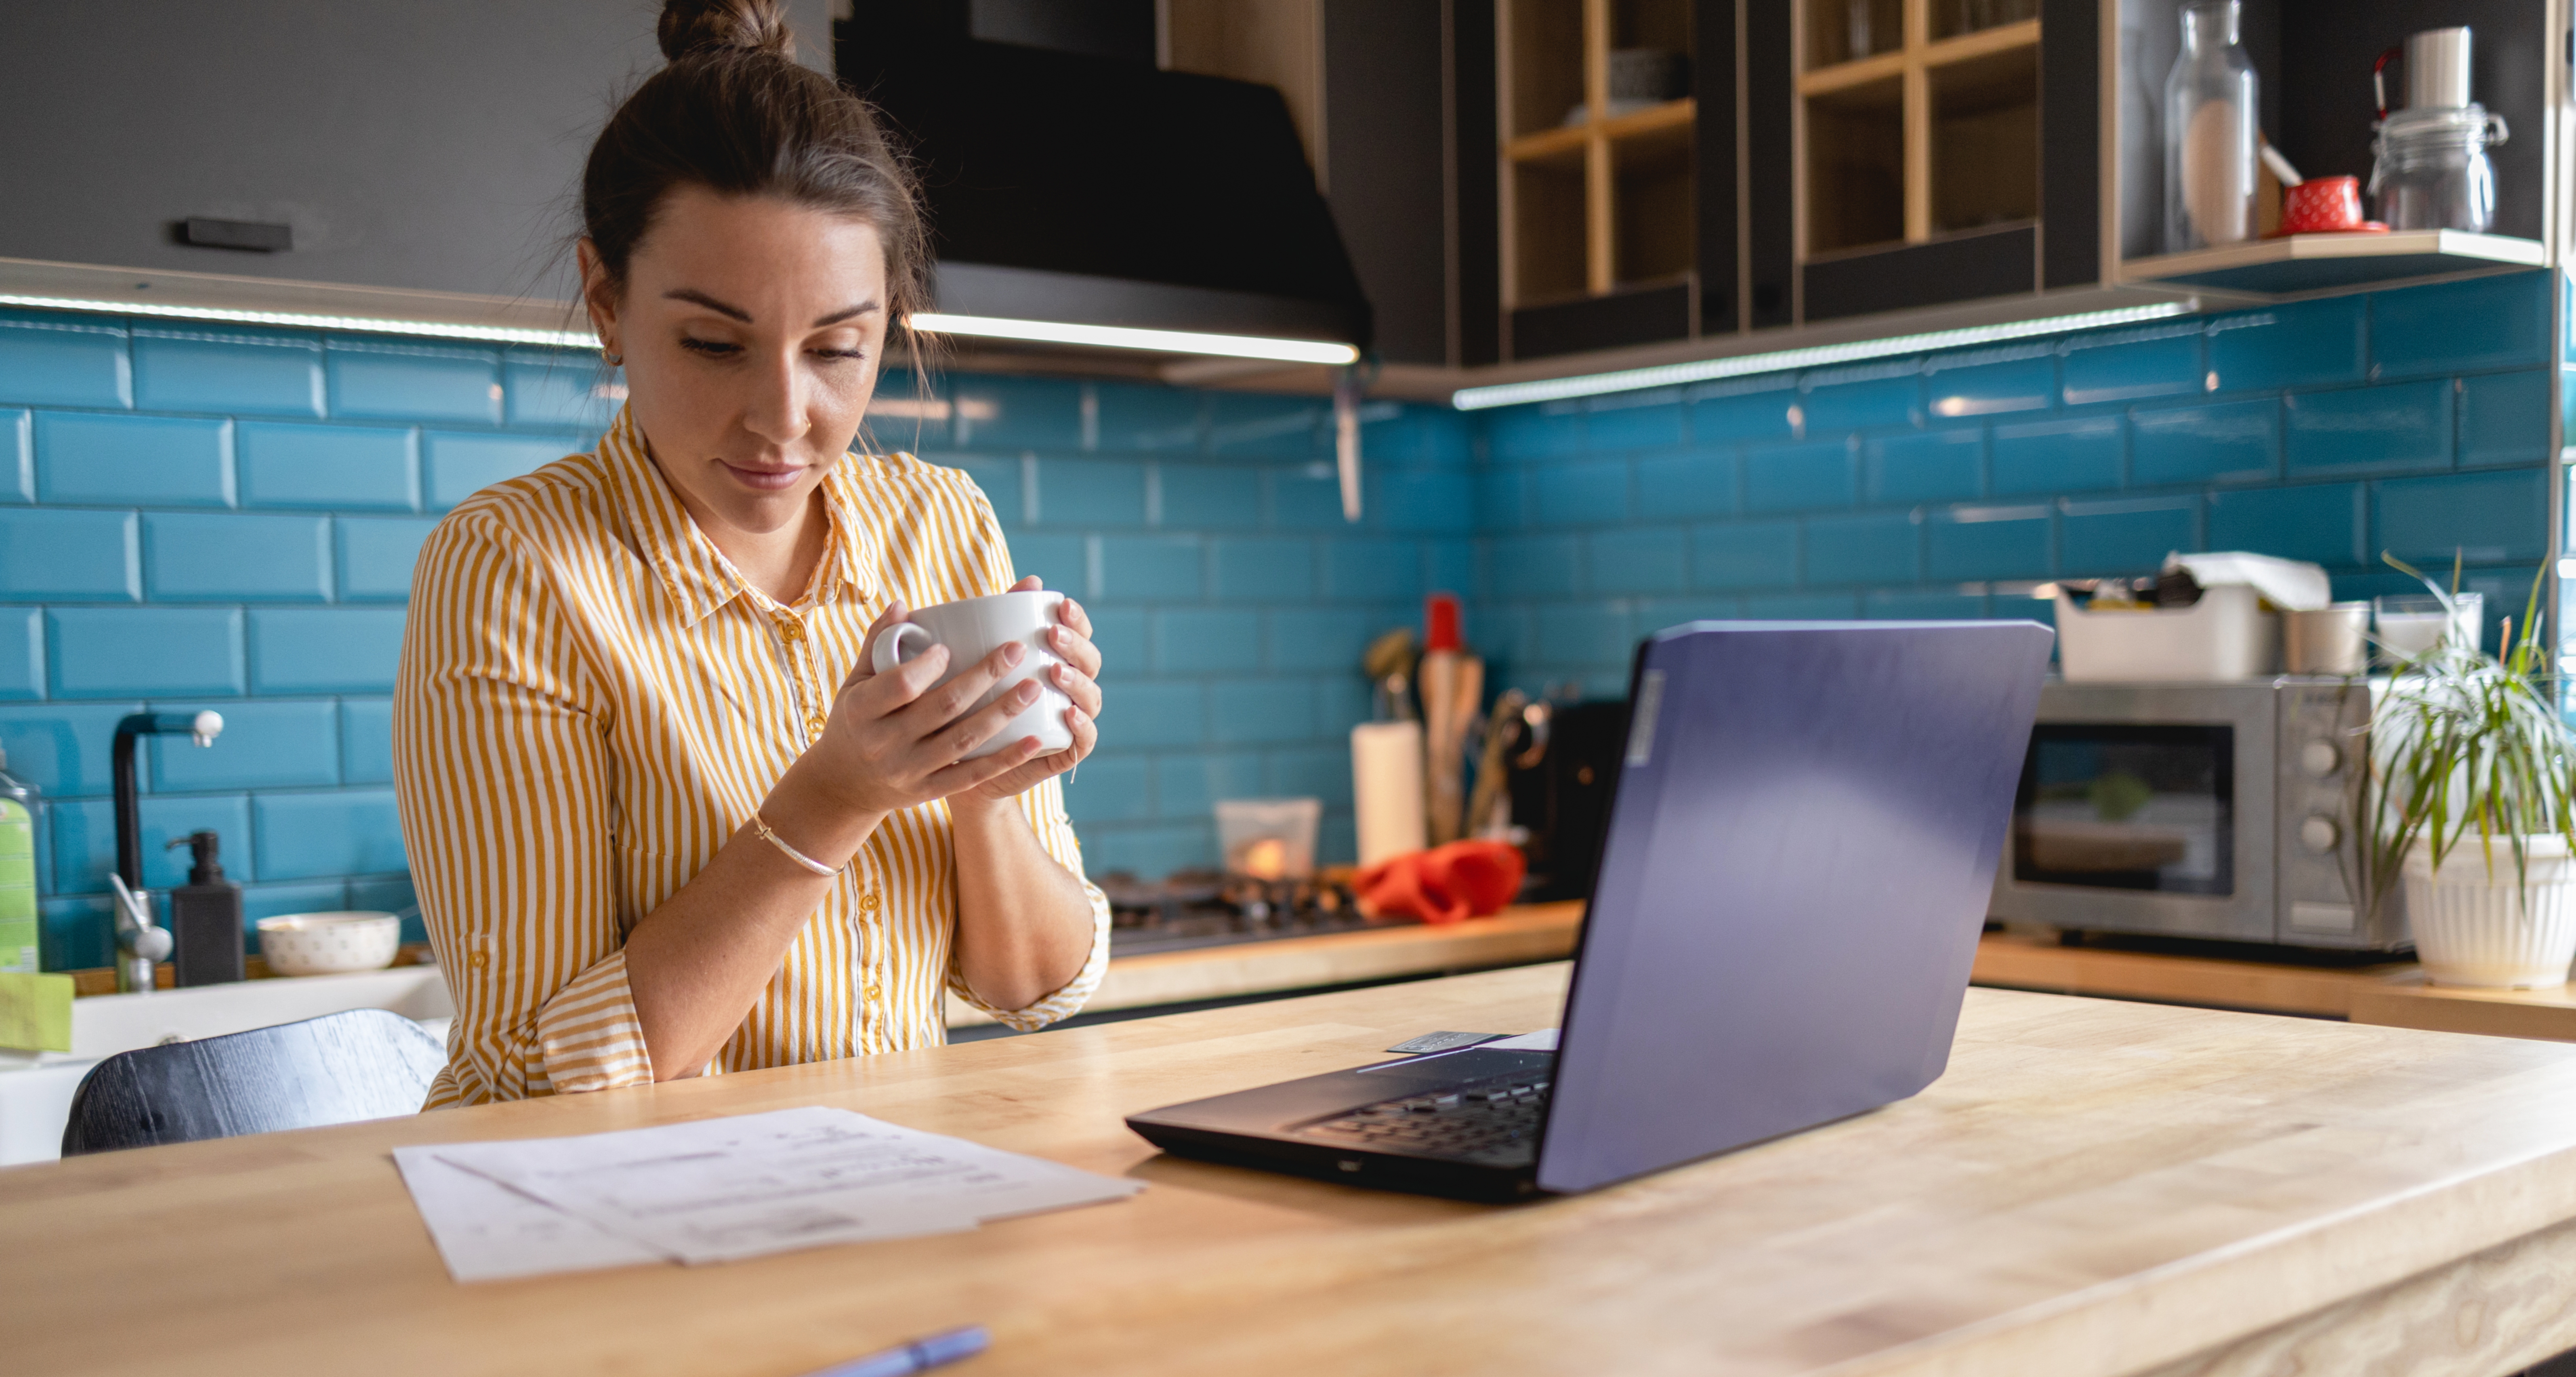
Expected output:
(17, 873)
(2210, 133)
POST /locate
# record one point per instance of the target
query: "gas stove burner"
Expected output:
(1198, 908)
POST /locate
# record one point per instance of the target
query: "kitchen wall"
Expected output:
(228, 518)
(2414, 421)
(1204, 532)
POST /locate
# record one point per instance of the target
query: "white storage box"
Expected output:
(2225, 635)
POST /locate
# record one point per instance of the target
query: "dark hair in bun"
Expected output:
(724, 26)
(735, 113)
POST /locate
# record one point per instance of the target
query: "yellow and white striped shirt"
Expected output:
(592, 700)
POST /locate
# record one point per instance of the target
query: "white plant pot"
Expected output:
(2475, 925)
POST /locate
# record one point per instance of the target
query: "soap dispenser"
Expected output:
(206, 916)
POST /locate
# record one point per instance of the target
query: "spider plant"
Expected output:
(2463, 744)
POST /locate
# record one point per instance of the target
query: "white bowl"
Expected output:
(329, 943)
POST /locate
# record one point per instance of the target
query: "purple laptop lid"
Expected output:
(1792, 884)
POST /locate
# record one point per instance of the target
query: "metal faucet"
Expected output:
(139, 943)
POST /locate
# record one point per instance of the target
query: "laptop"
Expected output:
(1793, 878)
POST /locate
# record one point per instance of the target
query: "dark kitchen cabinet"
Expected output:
(1914, 153)
(1918, 153)
(434, 145)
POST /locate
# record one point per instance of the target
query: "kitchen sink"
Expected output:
(36, 1087)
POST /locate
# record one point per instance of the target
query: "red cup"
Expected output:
(2321, 204)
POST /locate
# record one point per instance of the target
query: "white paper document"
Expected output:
(720, 1189)
(486, 1231)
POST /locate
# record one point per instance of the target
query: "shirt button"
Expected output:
(874, 994)
(790, 630)
(479, 960)
(867, 903)
(815, 724)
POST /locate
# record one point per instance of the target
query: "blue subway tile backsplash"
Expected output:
(65, 361)
(2303, 344)
(2413, 421)
(17, 456)
(278, 744)
(236, 557)
(454, 466)
(71, 553)
(229, 518)
(22, 653)
(2396, 426)
(324, 649)
(1945, 465)
(435, 383)
(197, 370)
(162, 461)
(2216, 442)
(328, 467)
(2072, 453)
(134, 652)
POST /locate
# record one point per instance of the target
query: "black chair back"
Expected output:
(337, 1069)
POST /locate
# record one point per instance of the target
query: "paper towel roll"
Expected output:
(1386, 783)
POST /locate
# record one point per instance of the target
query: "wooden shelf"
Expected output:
(1968, 47)
(1673, 117)
(1845, 75)
(1576, 179)
(2324, 262)
(1932, 137)
(1551, 145)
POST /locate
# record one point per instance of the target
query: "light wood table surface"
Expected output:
(2095, 1187)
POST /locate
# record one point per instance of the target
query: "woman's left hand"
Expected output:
(1076, 678)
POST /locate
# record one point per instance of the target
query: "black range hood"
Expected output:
(1098, 191)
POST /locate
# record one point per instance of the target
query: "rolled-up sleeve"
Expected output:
(501, 772)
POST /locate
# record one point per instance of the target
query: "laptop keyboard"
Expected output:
(1491, 1122)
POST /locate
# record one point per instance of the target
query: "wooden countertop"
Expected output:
(2094, 1187)
(2392, 994)
(1517, 936)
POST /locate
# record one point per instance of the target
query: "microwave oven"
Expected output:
(2210, 810)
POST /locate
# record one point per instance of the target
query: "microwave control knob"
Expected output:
(2319, 759)
(2320, 833)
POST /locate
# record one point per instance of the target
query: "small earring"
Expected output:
(614, 360)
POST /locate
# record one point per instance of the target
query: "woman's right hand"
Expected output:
(894, 741)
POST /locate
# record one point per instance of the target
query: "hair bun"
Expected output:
(693, 27)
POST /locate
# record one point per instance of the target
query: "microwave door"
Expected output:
(2143, 827)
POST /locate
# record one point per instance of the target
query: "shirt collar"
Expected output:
(696, 575)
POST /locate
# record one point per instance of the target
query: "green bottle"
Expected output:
(17, 872)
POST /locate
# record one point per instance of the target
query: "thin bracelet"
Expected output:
(826, 871)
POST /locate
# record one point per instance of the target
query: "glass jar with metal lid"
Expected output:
(2431, 169)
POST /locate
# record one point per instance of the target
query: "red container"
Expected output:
(2321, 204)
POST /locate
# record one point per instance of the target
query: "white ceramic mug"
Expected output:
(974, 628)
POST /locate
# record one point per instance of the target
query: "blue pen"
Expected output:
(920, 1355)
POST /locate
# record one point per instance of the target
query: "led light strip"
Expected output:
(298, 320)
(1041, 331)
(1742, 365)
(1125, 337)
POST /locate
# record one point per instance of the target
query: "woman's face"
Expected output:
(752, 329)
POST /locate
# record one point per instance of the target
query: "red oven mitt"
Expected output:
(1467, 879)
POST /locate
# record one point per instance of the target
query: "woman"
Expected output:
(662, 819)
